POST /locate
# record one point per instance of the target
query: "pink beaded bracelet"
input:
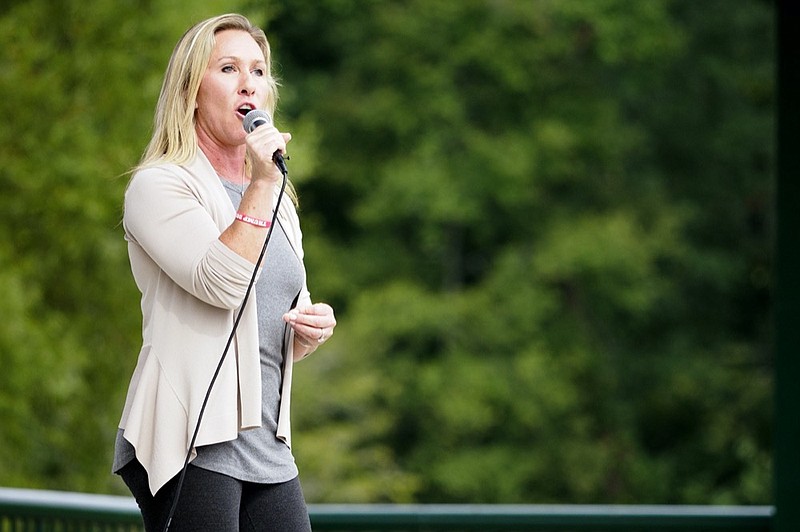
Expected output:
(253, 221)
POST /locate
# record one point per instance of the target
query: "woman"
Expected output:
(197, 212)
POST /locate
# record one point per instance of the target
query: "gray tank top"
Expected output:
(257, 455)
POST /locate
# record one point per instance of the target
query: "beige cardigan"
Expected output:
(191, 285)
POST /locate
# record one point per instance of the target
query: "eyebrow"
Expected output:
(238, 59)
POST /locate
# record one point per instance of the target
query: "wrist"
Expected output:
(262, 186)
(252, 220)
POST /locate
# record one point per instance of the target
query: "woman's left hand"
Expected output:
(312, 324)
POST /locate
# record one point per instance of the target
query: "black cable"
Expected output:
(177, 494)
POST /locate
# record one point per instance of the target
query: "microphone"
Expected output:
(256, 118)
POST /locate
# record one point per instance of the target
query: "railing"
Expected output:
(46, 511)
(51, 511)
(573, 518)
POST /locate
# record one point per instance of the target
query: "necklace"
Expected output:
(238, 188)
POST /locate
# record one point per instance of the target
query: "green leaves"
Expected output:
(534, 244)
(544, 226)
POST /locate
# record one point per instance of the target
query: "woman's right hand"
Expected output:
(262, 144)
(243, 237)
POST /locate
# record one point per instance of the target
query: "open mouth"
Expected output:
(244, 109)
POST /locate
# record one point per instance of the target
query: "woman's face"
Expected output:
(235, 81)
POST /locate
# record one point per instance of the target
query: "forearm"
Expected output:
(247, 239)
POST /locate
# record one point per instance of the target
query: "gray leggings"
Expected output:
(212, 501)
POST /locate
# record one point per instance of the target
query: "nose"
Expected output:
(247, 84)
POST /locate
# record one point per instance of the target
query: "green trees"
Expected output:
(78, 86)
(552, 256)
(544, 226)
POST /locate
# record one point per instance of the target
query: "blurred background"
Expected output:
(545, 225)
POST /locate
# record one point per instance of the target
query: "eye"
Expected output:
(228, 68)
(258, 72)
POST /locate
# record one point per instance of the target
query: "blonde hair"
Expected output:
(174, 137)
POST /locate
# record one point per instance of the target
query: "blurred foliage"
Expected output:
(545, 227)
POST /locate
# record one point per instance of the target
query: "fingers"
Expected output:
(317, 309)
(317, 315)
(314, 323)
(262, 144)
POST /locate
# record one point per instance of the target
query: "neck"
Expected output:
(228, 161)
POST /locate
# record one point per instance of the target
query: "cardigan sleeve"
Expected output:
(165, 214)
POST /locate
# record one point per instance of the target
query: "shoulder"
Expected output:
(158, 188)
(154, 176)
(288, 213)
(194, 176)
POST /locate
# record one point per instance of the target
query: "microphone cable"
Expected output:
(177, 494)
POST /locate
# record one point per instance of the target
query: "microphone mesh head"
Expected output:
(255, 118)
